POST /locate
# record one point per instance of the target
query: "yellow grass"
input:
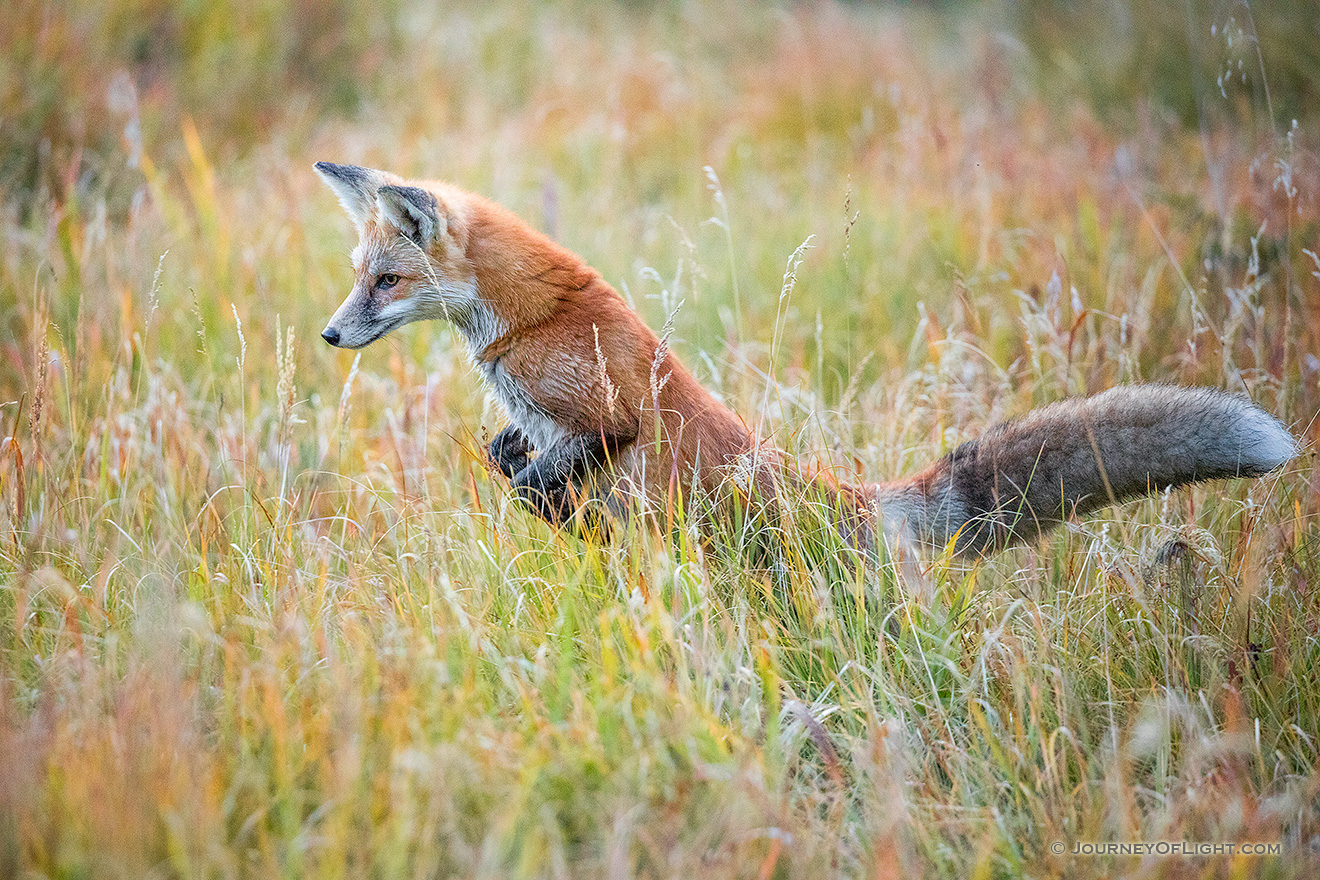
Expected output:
(265, 612)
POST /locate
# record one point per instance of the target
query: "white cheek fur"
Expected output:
(448, 299)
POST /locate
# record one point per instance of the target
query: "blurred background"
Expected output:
(931, 149)
(264, 611)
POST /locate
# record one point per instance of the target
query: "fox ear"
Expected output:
(356, 187)
(413, 210)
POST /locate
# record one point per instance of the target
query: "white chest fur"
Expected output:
(523, 411)
(482, 328)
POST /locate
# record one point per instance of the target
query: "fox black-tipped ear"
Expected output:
(356, 187)
(412, 209)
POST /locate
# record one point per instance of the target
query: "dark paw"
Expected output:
(549, 497)
(510, 451)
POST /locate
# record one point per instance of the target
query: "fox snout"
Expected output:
(358, 322)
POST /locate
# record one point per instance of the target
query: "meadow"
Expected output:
(265, 610)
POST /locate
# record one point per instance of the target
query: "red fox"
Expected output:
(601, 412)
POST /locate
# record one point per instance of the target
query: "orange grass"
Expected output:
(264, 611)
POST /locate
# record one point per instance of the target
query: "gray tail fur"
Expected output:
(1023, 477)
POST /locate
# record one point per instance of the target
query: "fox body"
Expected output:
(602, 414)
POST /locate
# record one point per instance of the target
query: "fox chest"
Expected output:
(542, 430)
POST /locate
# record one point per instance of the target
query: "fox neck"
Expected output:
(481, 328)
(520, 274)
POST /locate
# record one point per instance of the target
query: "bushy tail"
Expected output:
(1023, 477)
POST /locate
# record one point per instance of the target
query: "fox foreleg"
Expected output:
(551, 484)
(510, 450)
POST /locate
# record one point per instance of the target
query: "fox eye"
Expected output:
(386, 281)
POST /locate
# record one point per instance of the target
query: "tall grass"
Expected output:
(265, 612)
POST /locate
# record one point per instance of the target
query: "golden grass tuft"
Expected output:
(264, 611)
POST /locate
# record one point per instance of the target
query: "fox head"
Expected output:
(410, 262)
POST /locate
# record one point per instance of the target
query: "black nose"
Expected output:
(330, 335)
